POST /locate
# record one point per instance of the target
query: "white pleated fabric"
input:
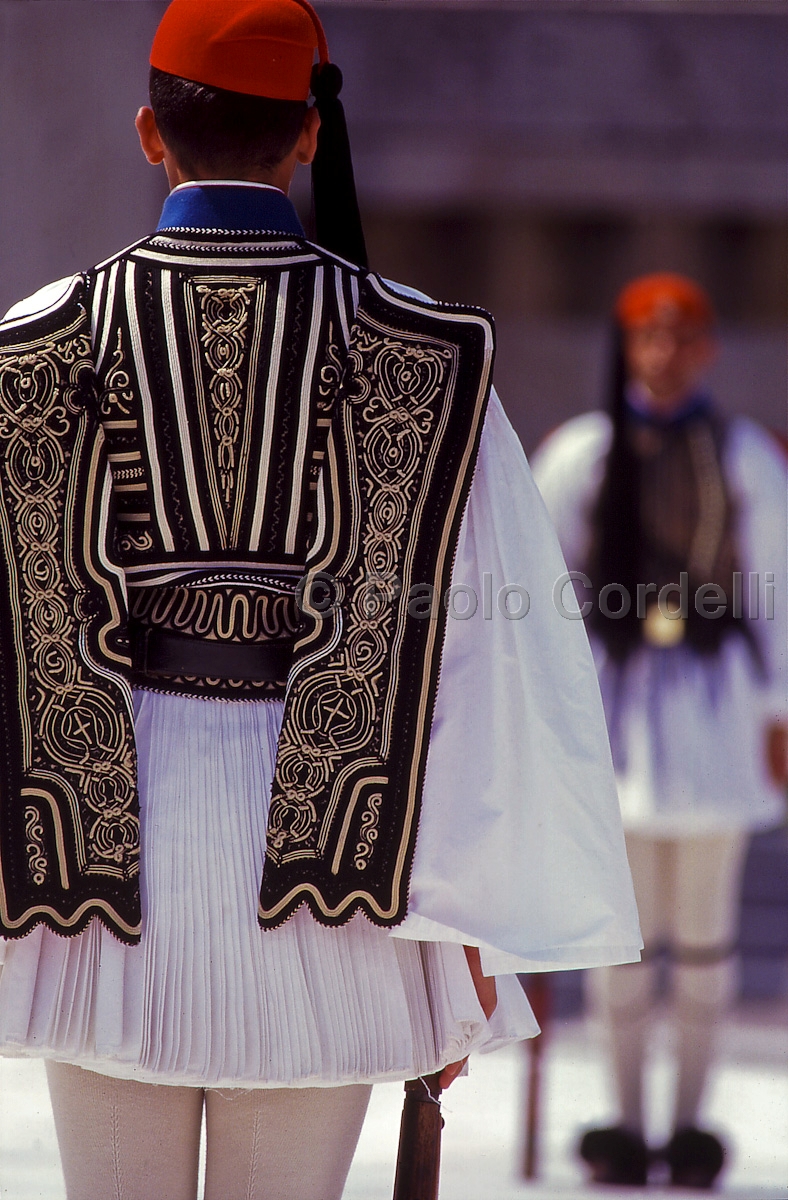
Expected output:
(688, 738)
(209, 999)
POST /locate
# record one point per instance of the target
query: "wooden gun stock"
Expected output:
(539, 996)
(419, 1155)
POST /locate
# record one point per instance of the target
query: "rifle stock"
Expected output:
(418, 1157)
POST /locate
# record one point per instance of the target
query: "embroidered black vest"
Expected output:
(192, 422)
(665, 508)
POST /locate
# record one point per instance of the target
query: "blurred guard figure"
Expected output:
(182, 429)
(666, 496)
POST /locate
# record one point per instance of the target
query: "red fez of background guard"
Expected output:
(266, 48)
(642, 300)
(257, 47)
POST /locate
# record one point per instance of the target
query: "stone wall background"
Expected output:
(527, 156)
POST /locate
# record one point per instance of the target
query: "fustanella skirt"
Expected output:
(209, 999)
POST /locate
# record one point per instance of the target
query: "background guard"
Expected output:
(656, 499)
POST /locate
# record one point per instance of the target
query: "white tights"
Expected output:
(687, 891)
(124, 1140)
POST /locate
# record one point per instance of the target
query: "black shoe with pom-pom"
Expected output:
(695, 1158)
(616, 1155)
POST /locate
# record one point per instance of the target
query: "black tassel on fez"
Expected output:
(337, 218)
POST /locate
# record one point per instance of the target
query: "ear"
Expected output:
(306, 146)
(150, 139)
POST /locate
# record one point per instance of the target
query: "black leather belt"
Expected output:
(155, 652)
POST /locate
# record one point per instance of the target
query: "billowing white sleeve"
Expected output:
(757, 469)
(568, 468)
(520, 847)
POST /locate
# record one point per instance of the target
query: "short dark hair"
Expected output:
(227, 133)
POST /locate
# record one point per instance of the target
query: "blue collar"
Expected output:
(697, 404)
(230, 207)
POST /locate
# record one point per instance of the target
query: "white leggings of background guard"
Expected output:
(687, 890)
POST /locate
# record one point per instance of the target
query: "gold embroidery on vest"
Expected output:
(117, 397)
(221, 327)
(370, 819)
(712, 502)
(83, 737)
(34, 831)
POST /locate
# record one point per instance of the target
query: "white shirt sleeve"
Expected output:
(568, 468)
(757, 469)
(520, 848)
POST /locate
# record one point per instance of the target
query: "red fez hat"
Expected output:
(257, 47)
(643, 299)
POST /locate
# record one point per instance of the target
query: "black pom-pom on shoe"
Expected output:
(695, 1158)
(615, 1155)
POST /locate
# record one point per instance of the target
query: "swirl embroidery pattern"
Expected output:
(368, 832)
(117, 397)
(37, 860)
(224, 330)
(77, 745)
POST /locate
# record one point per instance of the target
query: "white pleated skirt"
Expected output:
(209, 999)
(687, 734)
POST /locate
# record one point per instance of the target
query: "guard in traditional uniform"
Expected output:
(673, 516)
(301, 763)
